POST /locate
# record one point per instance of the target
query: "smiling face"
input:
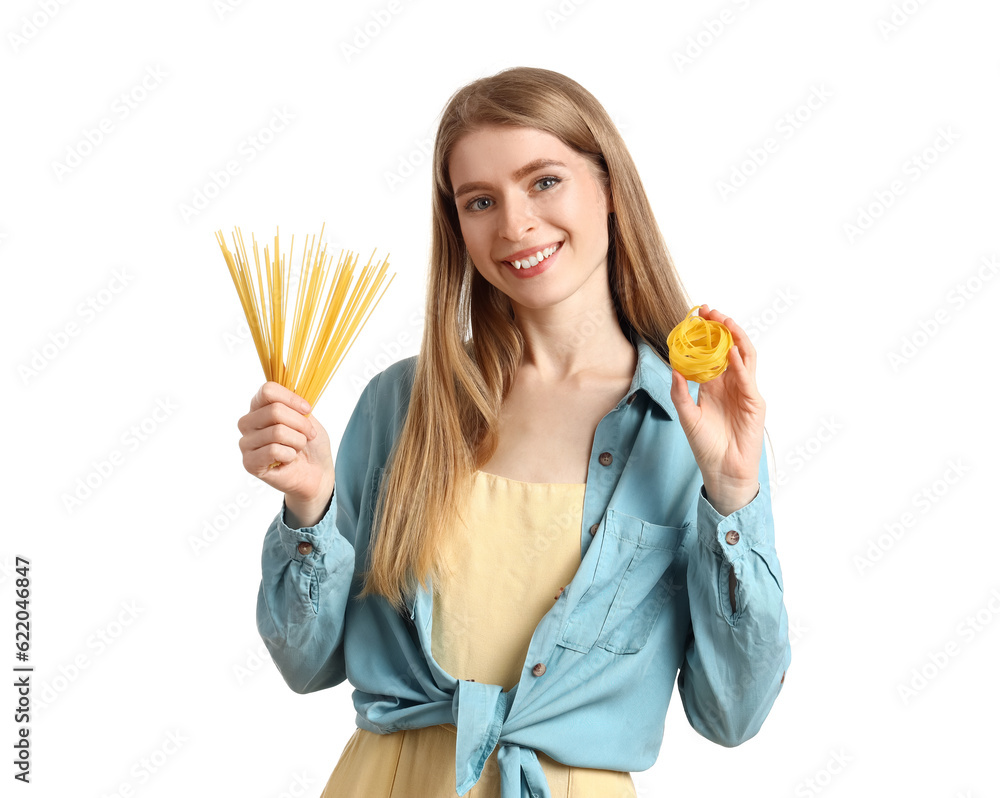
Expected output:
(524, 199)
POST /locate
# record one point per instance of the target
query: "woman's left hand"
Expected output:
(726, 427)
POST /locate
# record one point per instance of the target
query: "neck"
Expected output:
(563, 342)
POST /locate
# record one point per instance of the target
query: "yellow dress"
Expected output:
(520, 546)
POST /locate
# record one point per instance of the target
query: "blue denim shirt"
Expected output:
(649, 602)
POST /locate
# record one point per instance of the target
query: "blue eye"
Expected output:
(472, 205)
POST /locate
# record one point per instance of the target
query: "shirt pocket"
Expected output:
(639, 568)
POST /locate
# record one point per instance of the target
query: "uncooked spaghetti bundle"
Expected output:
(302, 348)
(699, 348)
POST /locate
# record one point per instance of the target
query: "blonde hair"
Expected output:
(471, 348)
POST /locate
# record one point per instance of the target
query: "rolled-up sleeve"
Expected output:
(307, 573)
(736, 656)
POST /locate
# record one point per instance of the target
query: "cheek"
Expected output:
(479, 259)
(472, 234)
(490, 276)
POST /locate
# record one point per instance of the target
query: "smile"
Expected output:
(532, 262)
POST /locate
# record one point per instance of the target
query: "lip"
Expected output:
(533, 271)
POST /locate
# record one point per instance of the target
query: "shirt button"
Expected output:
(593, 529)
(732, 537)
(605, 458)
(305, 547)
(539, 669)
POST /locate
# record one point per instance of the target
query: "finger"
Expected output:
(277, 433)
(742, 340)
(737, 364)
(740, 337)
(277, 412)
(271, 391)
(686, 408)
(742, 372)
(259, 460)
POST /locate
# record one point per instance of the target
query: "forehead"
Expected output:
(496, 152)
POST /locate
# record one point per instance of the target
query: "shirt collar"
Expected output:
(653, 376)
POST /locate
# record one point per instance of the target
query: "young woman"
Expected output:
(534, 528)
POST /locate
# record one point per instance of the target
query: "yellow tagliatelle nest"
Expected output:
(699, 348)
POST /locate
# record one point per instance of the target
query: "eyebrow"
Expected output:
(524, 171)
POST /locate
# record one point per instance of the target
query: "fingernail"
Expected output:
(313, 433)
(304, 406)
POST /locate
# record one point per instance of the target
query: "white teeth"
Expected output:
(534, 260)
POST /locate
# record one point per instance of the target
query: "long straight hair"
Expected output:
(471, 348)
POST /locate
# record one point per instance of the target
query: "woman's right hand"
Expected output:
(277, 429)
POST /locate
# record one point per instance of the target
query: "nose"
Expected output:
(516, 218)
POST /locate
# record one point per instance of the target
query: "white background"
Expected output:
(874, 367)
